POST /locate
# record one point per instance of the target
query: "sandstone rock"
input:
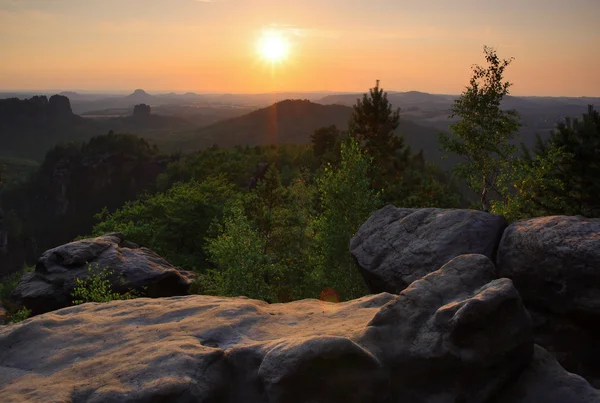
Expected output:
(555, 264)
(457, 335)
(544, 380)
(397, 246)
(142, 111)
(50, 286)
(60, 105)
(457, 326)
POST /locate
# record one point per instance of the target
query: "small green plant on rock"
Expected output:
(19, 315)
(97, 287)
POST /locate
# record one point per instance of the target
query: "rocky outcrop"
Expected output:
(458, 326)
(555, 264)
(544, 380)
(142, 111)
(59, 105)
(457, 335)
(50, 286)
(397, 246)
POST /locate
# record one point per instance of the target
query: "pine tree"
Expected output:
(373, 124)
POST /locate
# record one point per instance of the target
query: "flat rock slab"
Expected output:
(397, 246)
(457, 335)
(49, 287)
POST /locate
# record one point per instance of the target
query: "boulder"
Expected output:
(544, 380)
(49, 287)
(397, 246)
(457, 335)
(555, 264)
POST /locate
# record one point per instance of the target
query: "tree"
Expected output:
(483, 134)
(373, 123)
(262, 250)
(572, 181)
(324, 139)
(239, 253)
(174, 223)
(346, 202)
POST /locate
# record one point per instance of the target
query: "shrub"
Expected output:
(19, 315)
(97, 287)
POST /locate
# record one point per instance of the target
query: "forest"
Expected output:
(273, 222)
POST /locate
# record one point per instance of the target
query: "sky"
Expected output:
(335, 45)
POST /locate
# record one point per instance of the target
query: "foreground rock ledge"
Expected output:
(457, 335)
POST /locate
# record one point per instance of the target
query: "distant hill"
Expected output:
(293, 121)
(139, 97)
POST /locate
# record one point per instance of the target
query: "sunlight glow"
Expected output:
(273, 46)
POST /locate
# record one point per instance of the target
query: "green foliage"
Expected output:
(374, 123)
(324, 140)
(529, 188)
(19, 315)
(572, 184)
(561, 177)
(15, 171)
(482, 136)
(97, 287)
(239, 164)
(262, 250)
(173, 223)
(346, 202)
(239, 252)
(15, 313)
(8, 284)
(422, 185)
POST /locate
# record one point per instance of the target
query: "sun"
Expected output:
(273, 46)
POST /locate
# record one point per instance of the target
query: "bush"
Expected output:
(97, 287)
(19, 315)
(15, 313)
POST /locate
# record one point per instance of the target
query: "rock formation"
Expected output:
(553, 261)
(141, 111)
(457, 335)
(555, 264)
(397, 246)
(50, 286)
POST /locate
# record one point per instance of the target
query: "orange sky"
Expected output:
(337, 45)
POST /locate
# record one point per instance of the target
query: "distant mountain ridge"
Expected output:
(292, 122)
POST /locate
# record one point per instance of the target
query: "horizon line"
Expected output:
(167, 92)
